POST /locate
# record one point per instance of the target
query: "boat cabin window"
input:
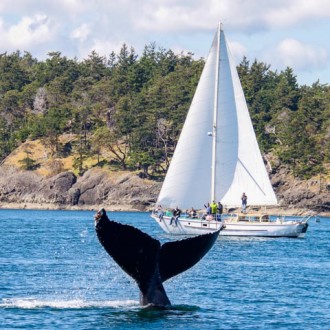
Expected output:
(265, 218)
(243, 218)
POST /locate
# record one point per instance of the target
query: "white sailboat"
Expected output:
(217, 158)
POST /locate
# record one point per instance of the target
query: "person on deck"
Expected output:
(220, 210)
(176, 214)
(213, 209)
(208, 208)
(193, 213)
(160, 212)
(244, 202)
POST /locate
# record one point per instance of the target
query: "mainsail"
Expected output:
(217, 156)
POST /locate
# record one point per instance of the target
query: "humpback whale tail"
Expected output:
(146, 260)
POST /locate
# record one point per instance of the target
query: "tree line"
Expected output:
(135, 106)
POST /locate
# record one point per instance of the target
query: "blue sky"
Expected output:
(281, 33)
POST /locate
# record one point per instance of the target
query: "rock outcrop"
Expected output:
(311, 194)
(116, 191)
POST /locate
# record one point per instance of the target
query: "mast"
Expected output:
(215, 117)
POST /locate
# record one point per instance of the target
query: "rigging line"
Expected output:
(250, 175)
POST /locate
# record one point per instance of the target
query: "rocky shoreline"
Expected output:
(48, 206)
(126, 191)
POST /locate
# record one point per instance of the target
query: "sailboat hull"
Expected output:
(187, 226)
(233, 227)
(296, 229)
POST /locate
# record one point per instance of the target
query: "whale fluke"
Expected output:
(146, 260)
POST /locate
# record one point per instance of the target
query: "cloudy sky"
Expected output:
(294, 33)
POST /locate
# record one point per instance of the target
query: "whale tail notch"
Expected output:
(147, 261)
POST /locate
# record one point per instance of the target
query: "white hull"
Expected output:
(187, 226)
(270, 229)
(278, 228)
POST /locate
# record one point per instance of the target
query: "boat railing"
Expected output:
(292, 219)
(306, 218)
(200, 216)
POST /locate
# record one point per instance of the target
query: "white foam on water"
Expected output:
(31, 303)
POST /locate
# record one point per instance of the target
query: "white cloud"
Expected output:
(238, 51)
(297, 11)
(29, 30)
(73, 6)
(101, 47)
(165, 15)
(177, 16)
(298, 55)
(81, 33)
(308, 61)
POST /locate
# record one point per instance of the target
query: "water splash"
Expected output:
(32, 303)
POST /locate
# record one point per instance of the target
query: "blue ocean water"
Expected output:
(54, 274)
